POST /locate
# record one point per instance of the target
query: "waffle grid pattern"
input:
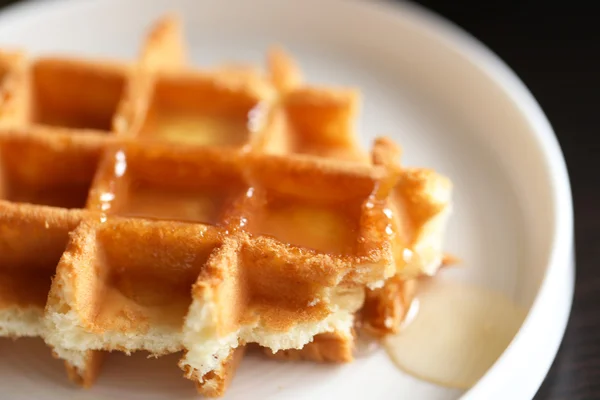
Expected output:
(141, 181)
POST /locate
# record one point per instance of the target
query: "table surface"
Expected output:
(554, 48)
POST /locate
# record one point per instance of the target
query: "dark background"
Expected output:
(555, 49)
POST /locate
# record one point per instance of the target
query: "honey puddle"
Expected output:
(202, 130)
(457, 334)
(316, 227)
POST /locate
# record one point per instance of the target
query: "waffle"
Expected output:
(150, 207)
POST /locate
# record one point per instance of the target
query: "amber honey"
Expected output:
(195, 205)
(322, 227)
(202, 130)
(454, 333)
(199, 111)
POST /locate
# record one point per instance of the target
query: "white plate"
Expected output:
(451, 103)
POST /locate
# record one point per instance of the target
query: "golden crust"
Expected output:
(164, 47)
(283, 70)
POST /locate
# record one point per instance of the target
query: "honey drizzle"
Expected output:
(381, 193)
(107, 197)
(385, 155)
(243, 220)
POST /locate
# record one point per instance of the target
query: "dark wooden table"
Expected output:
(555, 49)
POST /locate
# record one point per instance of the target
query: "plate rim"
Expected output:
(559, 273)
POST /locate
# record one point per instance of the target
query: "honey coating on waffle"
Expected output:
(201, 110)
(154, 190)
(315, 226)
(222, 193)
(295, 204)
(176, 185)
(75, 94)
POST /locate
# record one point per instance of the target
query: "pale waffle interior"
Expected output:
(199, 211)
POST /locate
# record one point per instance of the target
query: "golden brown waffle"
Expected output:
(198, 211)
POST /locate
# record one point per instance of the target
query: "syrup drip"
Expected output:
(107, 198)
(382, 191)
(366, 344)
